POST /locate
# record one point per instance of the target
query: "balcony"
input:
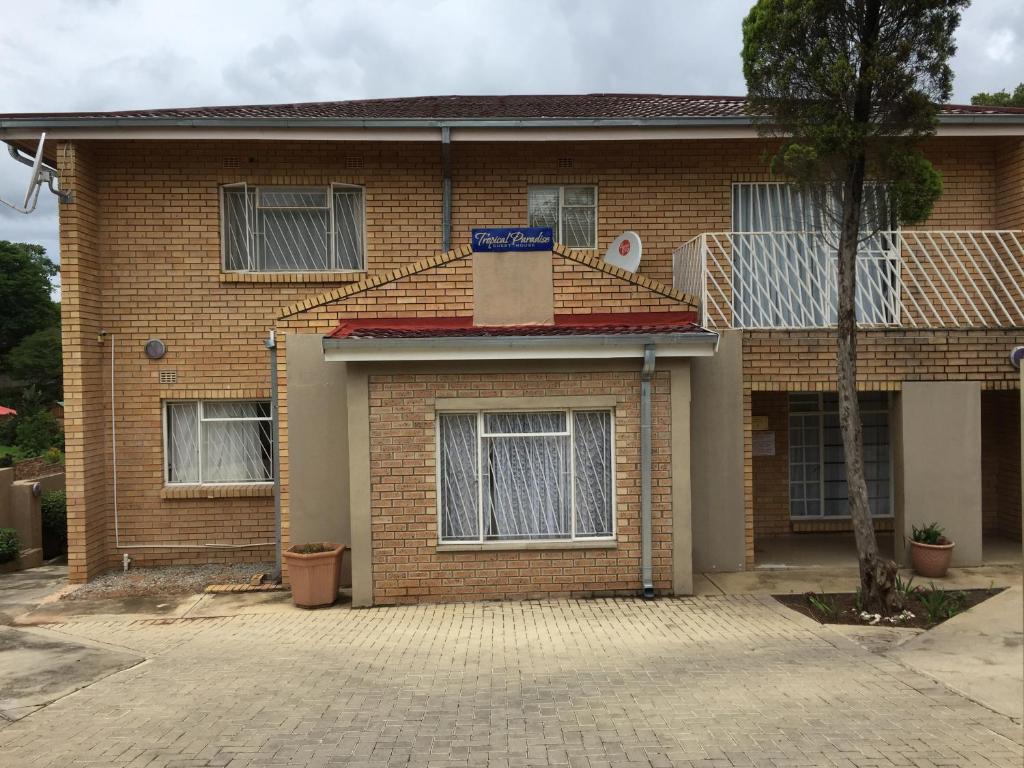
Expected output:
(905, 279)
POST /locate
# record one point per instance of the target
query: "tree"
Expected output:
(1000, 98)
(25, 303)
(850, 89)
(37, 359)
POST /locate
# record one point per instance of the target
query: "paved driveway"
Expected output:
(702, 681)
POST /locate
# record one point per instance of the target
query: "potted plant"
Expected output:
(315, 572)
(930, 551)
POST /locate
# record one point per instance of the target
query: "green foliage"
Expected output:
(310, 549)
(25, 274)
(37, 359)
(54, 456)
(10, 545)
(824, 605)
(939, 605)
(906, 588)
(928, 534)
(850, 87)
(1000, 98)
(39, 432)
(55, 523)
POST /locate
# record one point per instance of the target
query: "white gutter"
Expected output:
(339, 129)
(453, 348)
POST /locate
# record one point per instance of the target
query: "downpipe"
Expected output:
(646, 569)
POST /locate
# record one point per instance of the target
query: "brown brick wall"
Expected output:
(1010, 184)
(406, 564)
(1000, 463)
(141, 259)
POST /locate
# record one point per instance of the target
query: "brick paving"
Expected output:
(718, 681)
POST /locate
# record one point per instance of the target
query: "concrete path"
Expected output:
(718, 681)
(781, 581)
(22, 590)
(979, 653)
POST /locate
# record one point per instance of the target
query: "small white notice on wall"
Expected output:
(763, 443)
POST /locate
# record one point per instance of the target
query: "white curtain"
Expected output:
(524, 475)
(592, 448)
(459, 477)
(183, 442)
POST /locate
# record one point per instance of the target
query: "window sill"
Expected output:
(521, 545)
(292, 277)
(227, 491)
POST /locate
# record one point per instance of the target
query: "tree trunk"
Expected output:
(877, 574)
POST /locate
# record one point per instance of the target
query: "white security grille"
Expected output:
(525, 476)
(292, 229)
(228, 441)
(908, 278)
(570, 212)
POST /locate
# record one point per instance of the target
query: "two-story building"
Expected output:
(478, 420)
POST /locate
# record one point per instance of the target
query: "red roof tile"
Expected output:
(590, 106)
(604, 324)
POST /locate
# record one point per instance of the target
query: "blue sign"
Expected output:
(504, 239)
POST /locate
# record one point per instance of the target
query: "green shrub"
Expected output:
(929, 534)
(54, 456)
(38, 433)
(10, 546)
(55, 523)
(8, 429)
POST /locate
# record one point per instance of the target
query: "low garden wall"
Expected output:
(21, 510)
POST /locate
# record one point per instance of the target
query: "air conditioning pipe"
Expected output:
(646, 569)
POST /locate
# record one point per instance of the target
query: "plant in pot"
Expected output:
(315, 573)
(930, 551)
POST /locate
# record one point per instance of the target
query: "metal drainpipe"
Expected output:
(646, 570)
(446, 188)
(271, 345)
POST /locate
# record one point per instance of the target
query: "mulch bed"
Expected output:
(846, 611)
(167, 580)
(30, 469)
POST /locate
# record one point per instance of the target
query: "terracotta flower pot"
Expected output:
(314, 577)
(931, 560)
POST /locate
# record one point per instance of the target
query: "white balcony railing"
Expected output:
(921, 279)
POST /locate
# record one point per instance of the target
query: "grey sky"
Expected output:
(104, 54)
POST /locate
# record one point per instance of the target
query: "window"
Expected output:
(571, 212)
(525, 476)
(218, 441)
(784, 257)
(817, 469)
(292, 229)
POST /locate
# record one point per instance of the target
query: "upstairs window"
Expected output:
(292, 229)
(570, 212)
(784, 244)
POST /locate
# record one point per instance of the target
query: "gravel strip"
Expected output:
(167, 580)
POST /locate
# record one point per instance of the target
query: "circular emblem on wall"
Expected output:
(155, 349)
(624, 248)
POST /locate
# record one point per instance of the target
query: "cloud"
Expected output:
(105, 54)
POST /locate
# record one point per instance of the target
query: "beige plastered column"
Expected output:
(940, 441)
(358, 404)
(682, 526)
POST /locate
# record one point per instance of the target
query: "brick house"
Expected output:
(478, 424)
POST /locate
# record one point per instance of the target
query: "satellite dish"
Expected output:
(625, 251)
(41, 174)
(35, 181)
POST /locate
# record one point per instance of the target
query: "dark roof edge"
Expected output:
(399, 123)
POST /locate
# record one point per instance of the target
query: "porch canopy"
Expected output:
(604, 335)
